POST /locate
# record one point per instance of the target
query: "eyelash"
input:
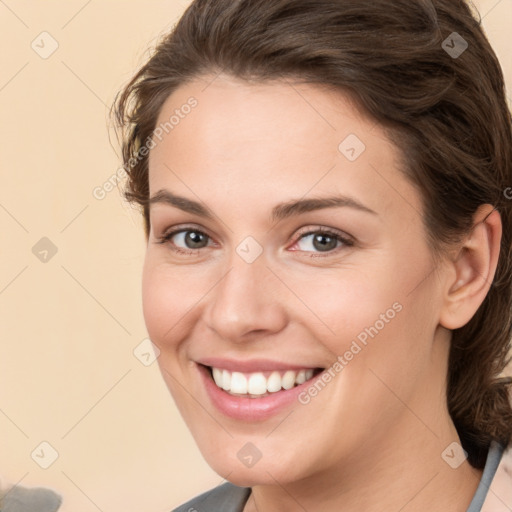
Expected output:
(346, 241)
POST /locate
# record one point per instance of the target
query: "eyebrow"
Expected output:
(279, 212)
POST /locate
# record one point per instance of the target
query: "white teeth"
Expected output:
(256, 384)
(226, 380)
(274, 382)
(238, 383)
(289, 379)
(217, 376)
(301, 377)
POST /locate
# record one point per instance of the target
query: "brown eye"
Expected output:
(186, 239)
(195, 239)
(322, 241)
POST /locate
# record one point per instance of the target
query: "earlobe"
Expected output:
(473, 269)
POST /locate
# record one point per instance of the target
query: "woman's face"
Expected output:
(268, 282)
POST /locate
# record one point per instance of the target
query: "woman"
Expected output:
(328, 267)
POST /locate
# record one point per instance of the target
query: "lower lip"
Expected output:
(250, 409)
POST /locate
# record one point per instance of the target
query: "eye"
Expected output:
(322, 240)
(185, 240)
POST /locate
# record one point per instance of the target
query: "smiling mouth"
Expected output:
(260, 384)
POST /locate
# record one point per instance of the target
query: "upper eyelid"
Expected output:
(301, 231)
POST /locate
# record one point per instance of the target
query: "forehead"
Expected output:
(270, 140)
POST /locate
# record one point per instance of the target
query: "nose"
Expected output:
(247, 303)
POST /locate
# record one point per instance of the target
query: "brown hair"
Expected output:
(445, 111)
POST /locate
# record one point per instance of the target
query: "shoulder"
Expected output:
(226, 497)
(499, 497)
(23, 499)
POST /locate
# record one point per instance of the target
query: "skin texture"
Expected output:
(373, 438)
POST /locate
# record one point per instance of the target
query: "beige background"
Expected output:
(69, 326)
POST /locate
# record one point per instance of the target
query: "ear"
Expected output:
(472, 269)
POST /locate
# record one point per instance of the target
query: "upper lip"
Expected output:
(251, 365)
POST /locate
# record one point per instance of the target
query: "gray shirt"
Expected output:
(26, 499)
(230, 498)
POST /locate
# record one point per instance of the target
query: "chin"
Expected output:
(262, 472)
(249, 477)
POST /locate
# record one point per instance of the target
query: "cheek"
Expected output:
(377, 317)
(166, 297)
(349, 304)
